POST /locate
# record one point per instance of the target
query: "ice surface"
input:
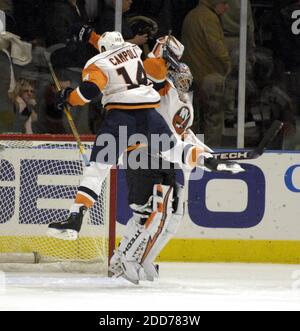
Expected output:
(182, 286)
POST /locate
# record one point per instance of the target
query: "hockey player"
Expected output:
(130, 100)
(155, 198)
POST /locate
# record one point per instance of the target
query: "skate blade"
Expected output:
(114, 273)
(63, 234)
(151, 271)
(133, 281)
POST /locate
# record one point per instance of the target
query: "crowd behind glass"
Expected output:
(205, 27)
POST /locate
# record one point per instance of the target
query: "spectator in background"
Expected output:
(54, 122)
(24, 102)
(208, 58)
(94, 10)
(231, 26)
(286, 46)
(180, 9)
(8, 8)
(267, 101)
(62, 17)
(159, 10)
(107, 22)
(6, 118)
(29, 16)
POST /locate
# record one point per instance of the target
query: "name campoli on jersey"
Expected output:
(120, 76)
(123, 56)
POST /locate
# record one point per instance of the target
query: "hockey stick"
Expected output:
(67, 111)
(255, 153)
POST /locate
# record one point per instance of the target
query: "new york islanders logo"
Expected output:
(181, 120)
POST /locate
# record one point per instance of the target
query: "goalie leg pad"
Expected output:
(168, 231)
(140, 241)
(146, 235)
(133, 226)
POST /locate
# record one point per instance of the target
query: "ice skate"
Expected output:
(68, 229)
(151, 271)
(132, 271)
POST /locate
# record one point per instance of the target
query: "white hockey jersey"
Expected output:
(178, 114)
(120, 76)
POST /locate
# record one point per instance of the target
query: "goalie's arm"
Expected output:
(208, 160)
(189, 136)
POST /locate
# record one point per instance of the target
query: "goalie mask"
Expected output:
(181, 78)
(110, 40)
(174, 45)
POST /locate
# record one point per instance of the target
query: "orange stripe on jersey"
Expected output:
(156, 68)
(164, 91)
(75, 99)
(192, 161)
(131, 107)
(94, 38)
(134, 147)
(95, 75)
(81, 199)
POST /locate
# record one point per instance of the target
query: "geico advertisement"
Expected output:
(38, 186)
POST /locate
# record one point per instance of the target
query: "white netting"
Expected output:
(38, 183)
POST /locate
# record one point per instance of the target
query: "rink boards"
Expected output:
(249, 217)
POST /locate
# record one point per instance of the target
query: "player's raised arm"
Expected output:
(93, 81)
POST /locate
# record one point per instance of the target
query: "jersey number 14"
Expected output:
(140, 79)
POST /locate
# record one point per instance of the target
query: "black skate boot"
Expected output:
(69, 229)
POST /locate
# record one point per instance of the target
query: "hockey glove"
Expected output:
(81, 33)
(61, 98)
(222, 166)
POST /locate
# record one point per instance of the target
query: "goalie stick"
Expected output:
(255, 153)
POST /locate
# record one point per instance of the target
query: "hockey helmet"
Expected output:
(110, 40)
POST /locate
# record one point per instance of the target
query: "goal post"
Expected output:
(39, 176)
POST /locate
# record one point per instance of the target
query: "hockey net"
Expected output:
(39, 176)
